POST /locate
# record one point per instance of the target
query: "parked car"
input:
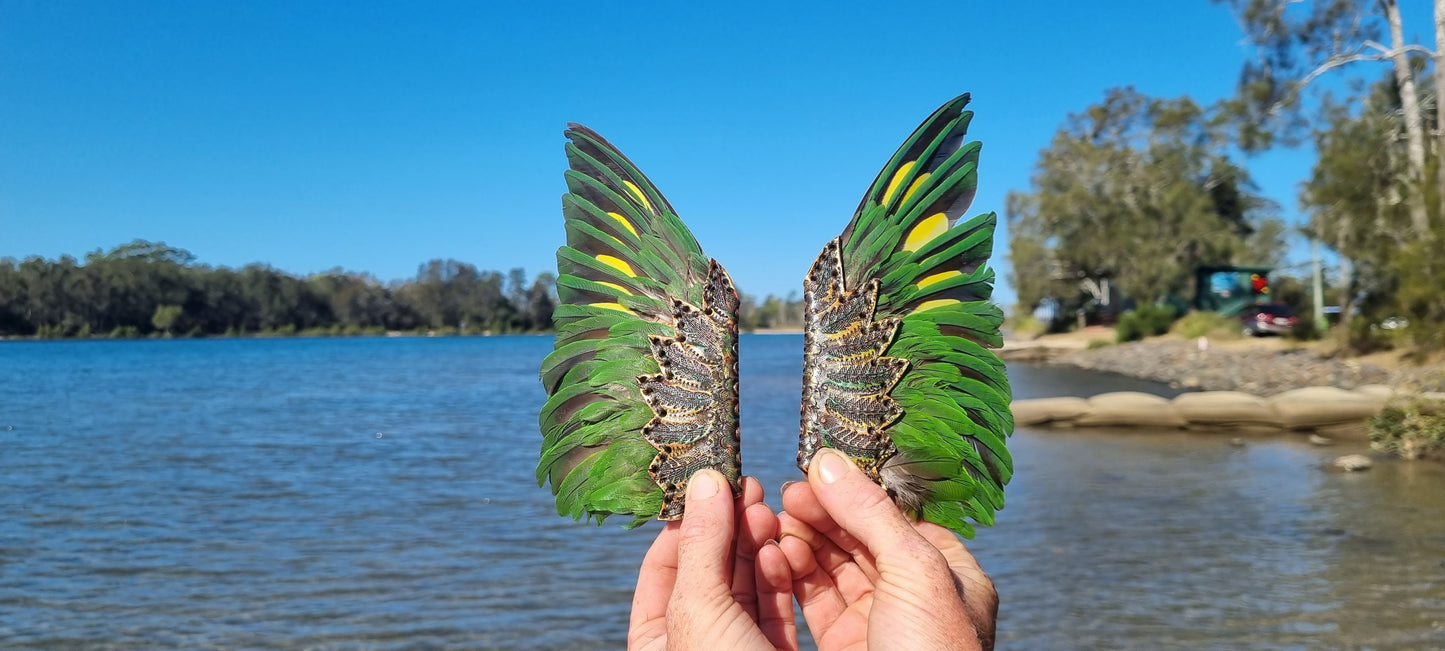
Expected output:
(1267, 319)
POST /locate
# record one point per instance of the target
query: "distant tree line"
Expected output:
(772, 313)
(148, 289)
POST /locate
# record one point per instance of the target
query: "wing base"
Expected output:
(694, 399)
(846, 377)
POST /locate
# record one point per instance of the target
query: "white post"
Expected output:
(1318, 287)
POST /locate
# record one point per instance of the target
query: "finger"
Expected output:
(752, 533)
(655, 581)
(979, 595)
(748, 542)
(800, 502)
(865, 511)
(757, 525)
(851, 579)
(959, 559)
(814, 589)
(752, 491)
(705, 538)
(775, 597)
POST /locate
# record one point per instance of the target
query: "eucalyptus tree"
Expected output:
(1358, 207)
(1133, 193)
(1297, 42)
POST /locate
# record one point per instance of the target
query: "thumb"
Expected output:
(864, 510)
(704, 546)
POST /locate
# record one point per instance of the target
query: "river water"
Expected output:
(379, 494)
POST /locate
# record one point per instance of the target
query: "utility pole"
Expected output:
(1319, 292)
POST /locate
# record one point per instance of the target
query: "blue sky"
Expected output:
(376, 136)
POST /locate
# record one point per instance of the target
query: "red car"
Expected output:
(1270, 318)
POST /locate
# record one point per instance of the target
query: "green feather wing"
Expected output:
(642, 382)
(898, 326)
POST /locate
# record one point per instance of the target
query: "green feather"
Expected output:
(934, 282)
(627, 258)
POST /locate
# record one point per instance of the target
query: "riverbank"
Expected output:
(1263, 367)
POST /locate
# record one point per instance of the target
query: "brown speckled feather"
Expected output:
(846, 378)
(695, 398)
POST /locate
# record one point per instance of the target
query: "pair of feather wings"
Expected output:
(642, 385)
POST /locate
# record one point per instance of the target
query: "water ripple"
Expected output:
(379, 494)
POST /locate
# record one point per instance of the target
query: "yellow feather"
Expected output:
(937, 278)
(914, 186)
(638, 193)
(612, 306)
(897, 178)
(928, 305)
(615, 286)
(617, 263)
(623, 220)
(925, 231)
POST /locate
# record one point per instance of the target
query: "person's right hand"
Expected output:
(716, 579)
(866, 576)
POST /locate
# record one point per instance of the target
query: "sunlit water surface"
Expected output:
(379, 494)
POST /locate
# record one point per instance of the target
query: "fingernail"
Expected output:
(702, 486)
(785, 486)
(831, 465)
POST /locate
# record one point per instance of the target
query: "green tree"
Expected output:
(1133, 194)
(1355, 199)
(165, 317)
(747, 311)
(769, 312)
(137, 287)
(1296, 42)
(541, 302)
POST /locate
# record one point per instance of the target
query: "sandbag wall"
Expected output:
(1300, 409)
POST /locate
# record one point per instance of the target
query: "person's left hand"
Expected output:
(717, 579)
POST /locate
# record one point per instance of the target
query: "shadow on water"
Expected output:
(380, 494)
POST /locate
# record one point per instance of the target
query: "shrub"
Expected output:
(1363, 337)
(1129, 327)
(48, 331)
(1145, 321)
(1306, 329)
(1206, 324)
(1158, 318)
(1025, 325)
(1409, 427)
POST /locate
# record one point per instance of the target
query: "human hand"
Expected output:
(867, 576)
(702, 588)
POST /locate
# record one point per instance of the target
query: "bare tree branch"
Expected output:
(1404, 49)
(1339, 60)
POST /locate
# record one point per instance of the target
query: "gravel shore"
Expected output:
(1259, 371)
